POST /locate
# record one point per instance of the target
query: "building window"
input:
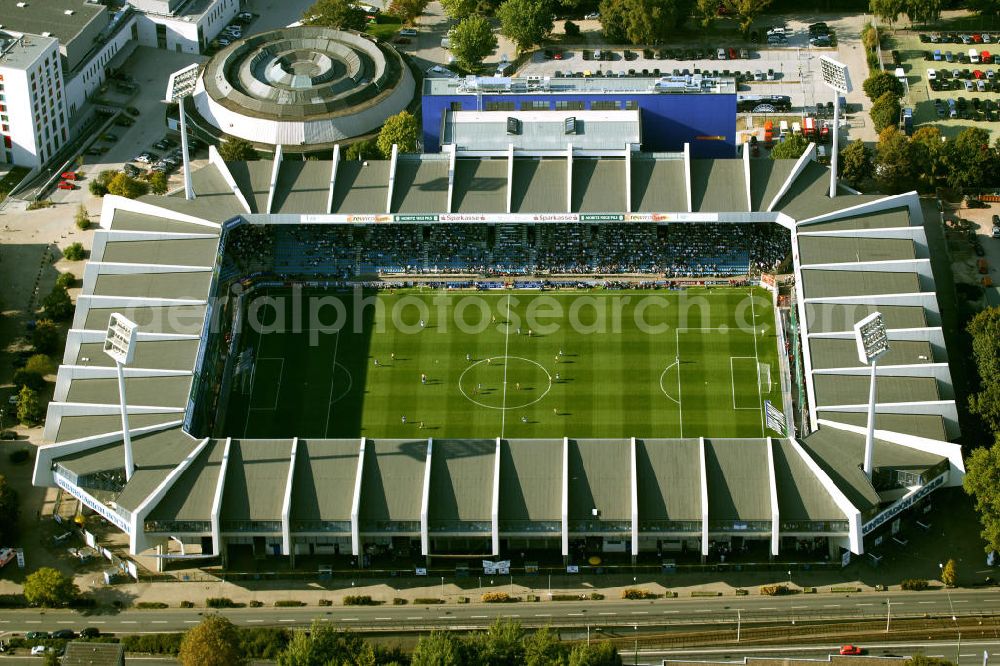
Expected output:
(499, 106)
(631, 105)
(569, 106)
(456, 106)
(536, 105)
(605, 105)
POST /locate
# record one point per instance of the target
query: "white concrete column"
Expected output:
(564, 510)
(687, 176)
(569, 177)
(635, 498)
(333, 178)
(220, 485)
(425, 502)
(495, 504)
(452, 150)
(356, 502)
(286, 504)
(510, 174)
(275, 168)
(799, 167)
(628, 178)
(746, 175)
(704, 499)
(393, 161)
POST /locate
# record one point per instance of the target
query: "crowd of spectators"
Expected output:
(340, 251)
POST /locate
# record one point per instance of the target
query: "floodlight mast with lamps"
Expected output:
(873, 341)
(119, 344)
(836, 77)
(181, 85)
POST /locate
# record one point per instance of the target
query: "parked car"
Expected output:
(593, 16)
(67, 634)
(69, 175)
(90, 632)
(66, 185)
(850, 650)
(131, 110)
(38, 651)
(35, 635)
(408, 32)
(124, 121)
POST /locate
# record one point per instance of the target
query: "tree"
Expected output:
(930, 151)
(10, 511)
(50, 658)
(746, 11)
(895, 170)
(82, 217)
(543, 648)
(30, 410)
(571, 29)
(407, 10)
(439, 648)
(213, 642)
(40, 364)
(887, 10)
(923, 11)
(322, 645)
(595, 654)
(24, 378)
(985, 331)
(45, 337)
(74, 252)
(791, 148)
(706, 12)
(525, 22)
(984, 7)
(124, 185)
(99, 186)
(922, 660)
(57, 305)
(641, 21)
(881, 82)
(459, 9)
(856, 163)
(500, 644)
(472, 40)
(49, 587)
(982, 482)
(158, 183)
(885, 112)
(235, 149)
(66, 280)
(971, 159)
(948, 574)
(336, 14)
(361, 150)
(400, 129)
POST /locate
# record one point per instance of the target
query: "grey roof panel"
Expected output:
(838, 317)
(152, 391)
(480, 186)
(669, 487)
(124, 220)
(77, 427)
(739, 484)
(254, 180)
(808, 195)
(186, 252)
(801, 495)
(822, 284)
(325, 472)
(930, 426)
(191, 285)
(766, 179)
(214, 197)
(832, 250)
(598, 185)
(600, 476)
(361, 187)
(658, 186)
(833, 390)
(192, 495)
(393, 480)
(179, 319)
(303, 186)
(527, 470)
(893, 218)
(718, 185)
(421, 186)
(539, 186)
(843, 353)
(461, 481)
(256, 479)
(161, 354)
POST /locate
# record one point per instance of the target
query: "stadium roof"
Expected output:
(156, 256)
(539, 132)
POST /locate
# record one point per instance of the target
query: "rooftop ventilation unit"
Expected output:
(569, 125)
(513, 125)
(22, 5)
(69, 12)
(46, 34)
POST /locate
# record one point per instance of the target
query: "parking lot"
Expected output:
(981, 100)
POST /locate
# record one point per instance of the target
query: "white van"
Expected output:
(796, 128)
(974, 56)
(446, 43)
(783, 128)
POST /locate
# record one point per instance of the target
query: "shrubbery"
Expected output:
(151, 604)
(427, 601)
(398, 601)
(914, 584)
(153, 643)
(74, 252)
(360, 600)
(187, 604)
(222, 602)
(288, 603)
(638, 593)
(498, 598)
(774, 590)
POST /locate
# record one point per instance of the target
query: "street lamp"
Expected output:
(119, 344)
(180, 86)
(837, 78)
(888, 614)
(873, 341)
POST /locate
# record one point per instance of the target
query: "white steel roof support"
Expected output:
(569, 177)
(333, 178)
(425, 502)
(393, 161)
(704, 498)
(775, 513)
(220, 485)
(286, 505)
(564, 507)
(452, 150)
(356, 502)
(687, 177)
(278, 156)
(495, 504)
(510, 174)
(628, 178)
(746, 175)
(635, 498)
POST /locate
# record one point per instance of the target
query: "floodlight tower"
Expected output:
(181, 85)
(873, 341)
(119, 344)
(837, 78)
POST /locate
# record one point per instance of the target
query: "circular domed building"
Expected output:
(302, 87)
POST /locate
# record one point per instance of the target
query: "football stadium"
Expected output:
(643, 357)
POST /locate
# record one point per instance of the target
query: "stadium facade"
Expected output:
(157, 258)
(673, 111)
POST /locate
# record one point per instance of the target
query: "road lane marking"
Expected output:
(575, 614)
(964, 601)
(794, 607)
(159, 621)
(286, 620)
(607, 613)
(348, 619)
(415, 617)
(479, 617)
(254, 621)
(831, 605)
(513, 615)
(384, 619)
(134, 621)
(768, 608)
(865, 604)
(664, 612)
(925, 602)
(639, 613)
(543, 615)
(190, 621)
(64, 622)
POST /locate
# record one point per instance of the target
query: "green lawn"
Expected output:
(595, 364)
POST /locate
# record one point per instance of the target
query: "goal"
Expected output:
(764, 377)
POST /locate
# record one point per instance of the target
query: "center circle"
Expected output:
(527, 382)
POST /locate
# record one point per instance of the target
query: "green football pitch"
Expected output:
(514, 364)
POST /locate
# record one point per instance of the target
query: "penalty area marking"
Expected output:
(732, 381)
(664, 388)
(505, 359)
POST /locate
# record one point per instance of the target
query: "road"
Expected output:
(674, 612)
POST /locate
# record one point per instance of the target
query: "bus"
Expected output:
(749, 103)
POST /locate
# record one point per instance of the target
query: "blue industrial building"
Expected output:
(673, 110)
